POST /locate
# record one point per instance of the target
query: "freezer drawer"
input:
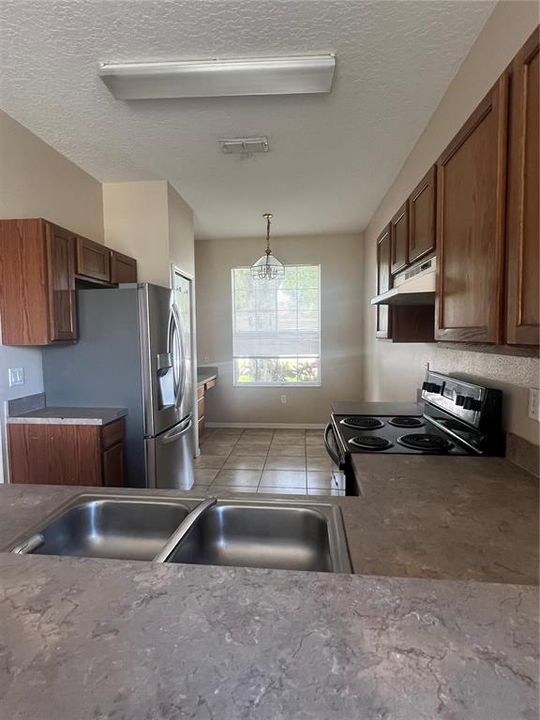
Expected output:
(169, 458)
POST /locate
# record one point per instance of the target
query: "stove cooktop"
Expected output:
(405, 435)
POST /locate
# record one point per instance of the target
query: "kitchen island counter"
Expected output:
(112, 639)
(423, 517)
(134, 640)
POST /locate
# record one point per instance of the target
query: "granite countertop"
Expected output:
(132, 640)
(351, 407)
(458, 518)
(205, 374)
(448, 517)
(112, 639)
(68, 416)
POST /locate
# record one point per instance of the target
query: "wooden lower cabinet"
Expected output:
(113, 466)
(67, 454)
(201, 410)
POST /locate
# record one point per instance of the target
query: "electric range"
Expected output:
(459, 418)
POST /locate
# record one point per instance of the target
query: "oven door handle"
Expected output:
(329, 449)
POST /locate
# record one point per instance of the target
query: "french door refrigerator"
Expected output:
(134, 351)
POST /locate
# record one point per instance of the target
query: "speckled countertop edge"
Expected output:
(68, 416)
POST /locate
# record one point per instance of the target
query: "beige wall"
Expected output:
(151, 222)
(341, 259)
(181, 235)
(396, 370)
(136, 223)
(37, 181)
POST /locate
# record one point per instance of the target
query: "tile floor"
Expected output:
(288, 462)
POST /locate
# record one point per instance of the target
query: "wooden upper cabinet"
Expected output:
(471, 190)
(422, 212)
(93, 260)
(123, 268)
(523, 259)
(37, 283)
(399, 239)
(383, 329)
(61, 274)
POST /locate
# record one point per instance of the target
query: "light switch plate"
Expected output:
(16, 376)
(534, 412)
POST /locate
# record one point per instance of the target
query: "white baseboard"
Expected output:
(268, 426)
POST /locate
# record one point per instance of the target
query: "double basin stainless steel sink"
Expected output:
(278, 534)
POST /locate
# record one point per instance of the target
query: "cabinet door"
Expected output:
(202, 428)
(93, 260)
(113, 466)
(123, 268)
(383, 327)
(24, 302)
(54, 454)
(61, 280)
(422, 217)
(470, 225)
(399, 239)
(523, 299)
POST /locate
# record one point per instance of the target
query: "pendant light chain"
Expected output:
(268, 267)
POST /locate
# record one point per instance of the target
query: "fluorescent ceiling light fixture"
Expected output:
(220, 78)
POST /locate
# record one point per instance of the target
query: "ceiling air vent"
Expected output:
(244, 146)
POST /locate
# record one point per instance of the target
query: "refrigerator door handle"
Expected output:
(176, 432)
(172, 339)
(178, 328)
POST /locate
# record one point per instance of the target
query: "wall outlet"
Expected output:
(283, 399)
(534, 412)
(16, 376)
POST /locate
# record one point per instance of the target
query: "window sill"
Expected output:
(277, 385)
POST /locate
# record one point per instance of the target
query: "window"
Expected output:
(277, 327)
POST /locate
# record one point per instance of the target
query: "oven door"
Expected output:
(339, 462)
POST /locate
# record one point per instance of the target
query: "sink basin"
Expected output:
(111, 527)
(275, 535)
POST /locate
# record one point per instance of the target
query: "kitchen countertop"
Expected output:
(131, 640)
(449, 517)
(459, 518)
(68, 416)
(113, 639)
(347, 407)
(205, 374)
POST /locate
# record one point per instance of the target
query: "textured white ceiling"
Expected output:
(332, 156)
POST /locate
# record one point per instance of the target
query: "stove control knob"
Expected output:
(460, 400)
(471, 403)
(431, 387)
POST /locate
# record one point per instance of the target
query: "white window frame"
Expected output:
(304, 386)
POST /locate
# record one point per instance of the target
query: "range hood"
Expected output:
(414, 286)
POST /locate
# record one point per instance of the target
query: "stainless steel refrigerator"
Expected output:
(134, 351)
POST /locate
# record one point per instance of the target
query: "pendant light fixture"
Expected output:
(268, 266)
